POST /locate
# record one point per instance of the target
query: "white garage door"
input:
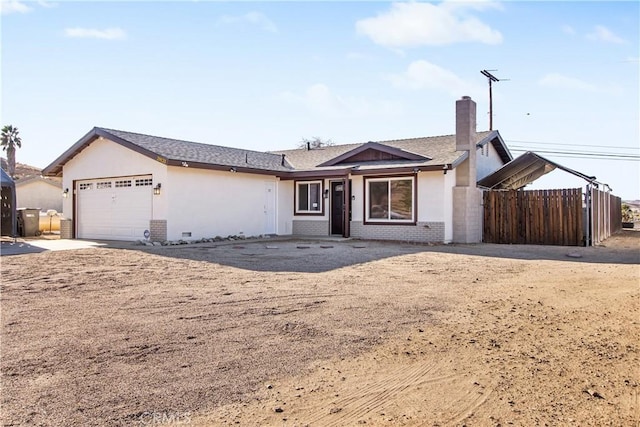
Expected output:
(114, 208)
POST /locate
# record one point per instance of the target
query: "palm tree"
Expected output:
(11, 140)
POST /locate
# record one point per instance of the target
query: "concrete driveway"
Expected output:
(31, 246)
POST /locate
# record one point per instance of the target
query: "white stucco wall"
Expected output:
(431, 196)
(39, 194)
(435, 199)
(487, 160)
(357, 202)
(209, 203)
(107, 159)
(285, 207)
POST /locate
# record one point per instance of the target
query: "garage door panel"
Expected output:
(127, 233)
(94, 232)
(115, 209)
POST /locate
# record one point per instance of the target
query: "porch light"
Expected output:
(233, 170)
(156, 189)
(326, 193)
(65, 193)
(445, 168)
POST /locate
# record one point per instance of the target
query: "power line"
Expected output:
(598, 153)
(582, 153)
(578, 155)
(592, 158)
(571, 145)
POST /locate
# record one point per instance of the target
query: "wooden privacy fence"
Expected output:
(606, 215)
(543, 217)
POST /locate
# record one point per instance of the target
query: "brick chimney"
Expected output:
(466, 141)
(467, 198)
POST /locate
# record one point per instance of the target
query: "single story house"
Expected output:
(123, 185)
(39, 192)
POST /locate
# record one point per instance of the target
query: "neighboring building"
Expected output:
(7, 205)
(39, 192)
(120, 184)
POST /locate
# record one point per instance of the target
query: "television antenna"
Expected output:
(491, 78)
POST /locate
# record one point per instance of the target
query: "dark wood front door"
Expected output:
(337, 208)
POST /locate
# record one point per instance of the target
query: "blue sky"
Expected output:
(264, 75)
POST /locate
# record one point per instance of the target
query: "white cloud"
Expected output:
(558, 81)
(91, 33)
(603, 34)
(254, 18)
(472, 4)
(568, 29)
(13, 6)
(562, 82)
(47, 4)
(320, 99)
(423, 75)
(418, 24)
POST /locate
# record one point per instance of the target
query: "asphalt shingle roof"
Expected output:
(187, 151)
(440, 149)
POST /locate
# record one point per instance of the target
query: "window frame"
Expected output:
(296, 196)
(388, 179)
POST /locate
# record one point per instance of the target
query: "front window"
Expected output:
(390, 199)
(309, 197)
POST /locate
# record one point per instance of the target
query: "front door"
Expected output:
(337, 207)
(269, 207)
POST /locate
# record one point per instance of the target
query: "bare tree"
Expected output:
(314, 143)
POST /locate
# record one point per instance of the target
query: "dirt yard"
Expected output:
(296, 333)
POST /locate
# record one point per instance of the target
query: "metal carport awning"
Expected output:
(8, 201)
(524, 170)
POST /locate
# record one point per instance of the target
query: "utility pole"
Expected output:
(491, 79)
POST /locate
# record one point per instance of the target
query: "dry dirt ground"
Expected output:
(323, 333)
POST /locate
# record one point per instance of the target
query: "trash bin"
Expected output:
(30, 221)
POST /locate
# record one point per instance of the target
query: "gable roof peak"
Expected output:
(374, 151)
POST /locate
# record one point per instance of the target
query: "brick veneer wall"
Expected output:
(158, 229)
(310, 228)
(421, 232)
(66, 229)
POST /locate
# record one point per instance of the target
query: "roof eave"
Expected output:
(55, 168)
(394, 170)
(227, 168)
(498, 143)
